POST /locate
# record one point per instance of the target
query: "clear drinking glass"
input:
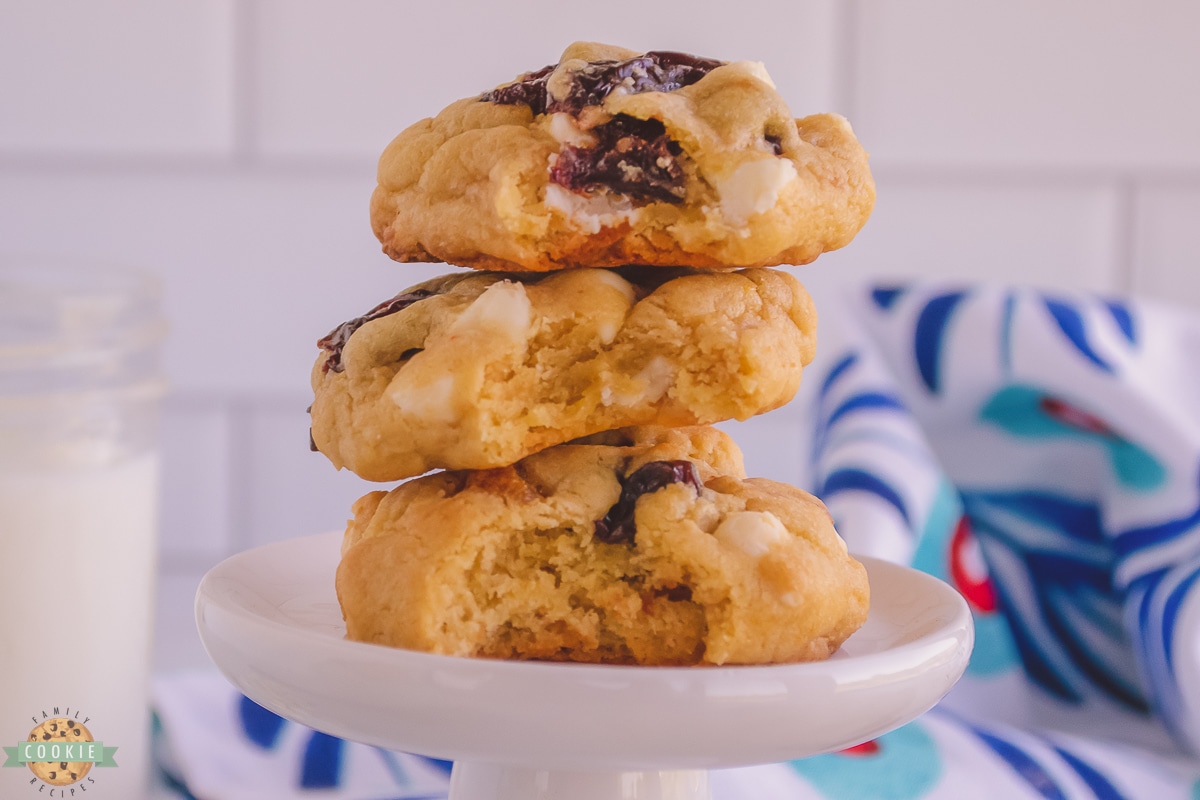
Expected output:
(80, 390)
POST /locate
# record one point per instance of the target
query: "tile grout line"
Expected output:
(245, 82)
(185, 165)
(176, 561)
(1030, 173)
(240, 465)
(251, 165)
(1124, 235)
(845, 57)
(255, 399)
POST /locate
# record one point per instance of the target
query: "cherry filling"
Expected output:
(618, 525)
(336, 339)
(633, 157)
(656, 71)
(529, 91)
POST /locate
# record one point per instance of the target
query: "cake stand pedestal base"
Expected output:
(483, 781)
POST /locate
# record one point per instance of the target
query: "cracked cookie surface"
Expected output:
(613, 157)
(480, 369)
(515, 562)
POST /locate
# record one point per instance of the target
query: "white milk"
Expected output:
(77, 565)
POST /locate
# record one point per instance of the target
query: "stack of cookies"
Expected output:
(618, 211)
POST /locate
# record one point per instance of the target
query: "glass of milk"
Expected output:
(80, 388)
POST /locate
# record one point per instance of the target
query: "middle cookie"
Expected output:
(478, 370)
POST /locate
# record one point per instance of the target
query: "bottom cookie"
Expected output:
(638, 546)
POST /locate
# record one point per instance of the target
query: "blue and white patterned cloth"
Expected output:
(215, 744)
(212, 743)
(1039, 451)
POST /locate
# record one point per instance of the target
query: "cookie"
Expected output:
(477, 370)
(641, 546)
(60, 730)
(613, 157)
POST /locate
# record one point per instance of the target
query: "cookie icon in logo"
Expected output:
(60, 730)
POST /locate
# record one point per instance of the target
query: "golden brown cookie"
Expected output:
(640, 546)
(612, 157)
(478, 370)
(60, 730)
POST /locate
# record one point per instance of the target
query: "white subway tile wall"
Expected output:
(258, 263)
(229, 145)
(1168, 241)
(1028, 83)
(974, 228)
(292, 490)
(341, 79)
(119, 78)
(197, 452)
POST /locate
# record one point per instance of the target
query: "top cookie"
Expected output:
(612, 157)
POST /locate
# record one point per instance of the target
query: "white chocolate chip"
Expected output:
(564, 128)
(607, 331)
(753, 188)
(589, 213)
(559, 84)
(432, 401)
(657, 376)
(648, 386)
(706, 516)
(617, 282)
(502, 310)
(752, 532)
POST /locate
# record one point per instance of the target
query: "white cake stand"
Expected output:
(539, 731)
